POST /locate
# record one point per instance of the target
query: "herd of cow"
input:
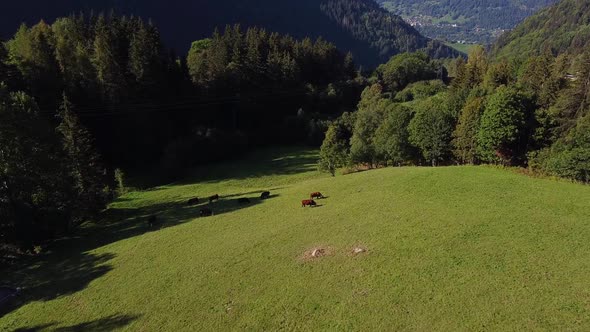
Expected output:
(310, 202)
(208, 212)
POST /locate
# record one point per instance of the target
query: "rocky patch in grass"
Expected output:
(316, 253)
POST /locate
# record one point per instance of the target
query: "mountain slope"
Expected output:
(562, 28)
(472, 20)
(361, 26)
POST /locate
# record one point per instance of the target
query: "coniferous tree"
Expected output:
(83, 164)
(105, 60)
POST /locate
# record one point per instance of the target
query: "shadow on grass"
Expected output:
(110, 323)
(265, 162)
(57, 275)
(71, 266)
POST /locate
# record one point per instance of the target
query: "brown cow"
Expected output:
(308, 202)
(316, 195)
(193, 201)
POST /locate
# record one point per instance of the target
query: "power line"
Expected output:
(187, 105)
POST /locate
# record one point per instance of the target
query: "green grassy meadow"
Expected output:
(463, 48)
(450, 248)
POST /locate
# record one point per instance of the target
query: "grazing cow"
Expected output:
(152, 221)
(316, 195)
(244, 200)
(213, 198)
(193, 201)
(308, 202)
(206, 212)
(265, 195)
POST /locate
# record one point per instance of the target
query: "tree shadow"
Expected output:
(259, 192)
(69, 266)
(258, 164)
(54, 276)
(109, 323)
(264, 162)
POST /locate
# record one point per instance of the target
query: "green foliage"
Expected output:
(498, 74)
(36, 193)
(465, 134)
(420, 90)
(502, 136)
(431, 129)
(569, 157)
(120, 181)
(392, 137)
(369, 117)
(407, 68)
(240, 61)
(32, 53)
(335, 148)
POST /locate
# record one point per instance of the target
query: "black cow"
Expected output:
(213, 198)
(206, 212)
(244, 200)
(265, 195)
(193, 201)
(152, 220)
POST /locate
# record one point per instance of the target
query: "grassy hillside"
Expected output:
(460, 248)
(463, 48)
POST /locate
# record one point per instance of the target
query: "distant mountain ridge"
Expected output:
(561, 28)
(361, 26)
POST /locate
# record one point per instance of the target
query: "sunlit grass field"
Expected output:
(457, 248)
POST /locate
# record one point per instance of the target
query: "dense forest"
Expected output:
(563, 28)
(475, 21)
(359, 26)
(85, 96)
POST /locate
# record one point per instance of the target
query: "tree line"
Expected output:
(491, 112)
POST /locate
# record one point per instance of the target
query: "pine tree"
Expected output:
(83, 163)
(105, 60)
(145, 58)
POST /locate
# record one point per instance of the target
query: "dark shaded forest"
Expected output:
(87, 95)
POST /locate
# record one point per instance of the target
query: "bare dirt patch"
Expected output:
(316, 253)
(358, 250)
